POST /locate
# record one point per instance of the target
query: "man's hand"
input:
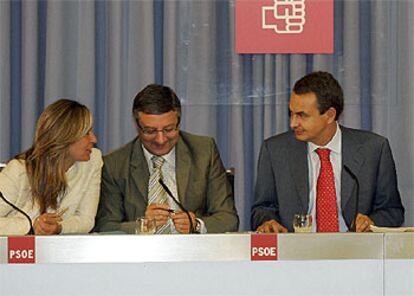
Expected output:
(48, 223)
(271, 226)
(182, 223)
(363, 223)
(159, 212)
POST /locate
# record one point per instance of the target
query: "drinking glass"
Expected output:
(145, 226)
(302, 223)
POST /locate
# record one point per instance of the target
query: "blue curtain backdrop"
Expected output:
(103, 52)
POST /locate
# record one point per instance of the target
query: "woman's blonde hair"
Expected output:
(61, 124)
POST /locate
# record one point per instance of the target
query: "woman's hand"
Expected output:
(48, 223)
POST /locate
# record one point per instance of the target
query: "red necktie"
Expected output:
(326, 210)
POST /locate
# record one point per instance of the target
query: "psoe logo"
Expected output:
(284, 16)
(263, 247)
(21, 249)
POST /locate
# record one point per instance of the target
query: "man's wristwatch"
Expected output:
(197, 227)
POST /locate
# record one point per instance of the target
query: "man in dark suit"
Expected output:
(289, 167)
(190, 167)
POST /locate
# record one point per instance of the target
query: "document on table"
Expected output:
(391, 229)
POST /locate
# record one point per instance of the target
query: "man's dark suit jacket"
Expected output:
(202, 186)
(282, 186)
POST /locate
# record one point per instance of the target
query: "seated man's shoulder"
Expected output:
(365, 137)
(280, 141)
(119, 156)
(197, 141)
(286, 136)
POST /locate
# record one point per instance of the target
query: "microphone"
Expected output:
(354, 177)
(177, 203)
(31, 231)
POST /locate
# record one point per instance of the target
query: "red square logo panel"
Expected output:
(263, 247)
(21, 249)
(284, 26)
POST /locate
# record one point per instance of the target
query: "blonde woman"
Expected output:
(57, 181)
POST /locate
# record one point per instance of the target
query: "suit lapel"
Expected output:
(298, 161)
(353, 159)
(182, 169)
(139, 169)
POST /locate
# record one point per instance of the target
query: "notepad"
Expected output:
(391, 229)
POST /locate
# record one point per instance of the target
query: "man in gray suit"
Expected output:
(190, 167)
(364, 176)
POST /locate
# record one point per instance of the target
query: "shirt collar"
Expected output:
(334, 144)
(169, 157)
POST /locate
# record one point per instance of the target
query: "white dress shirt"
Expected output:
(169, 178)
(79, 202)
(314, 164)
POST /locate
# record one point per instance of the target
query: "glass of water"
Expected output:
(302, 223)
(145, 226)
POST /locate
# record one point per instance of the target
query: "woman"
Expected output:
(57, 181)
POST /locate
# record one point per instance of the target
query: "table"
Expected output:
(213, 264)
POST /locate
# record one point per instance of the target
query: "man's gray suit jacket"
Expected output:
(282, 185)
(202, 186)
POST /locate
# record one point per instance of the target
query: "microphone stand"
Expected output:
(178, 203)
(354, 177)
(31, 231)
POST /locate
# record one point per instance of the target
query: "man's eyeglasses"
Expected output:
(152, 132)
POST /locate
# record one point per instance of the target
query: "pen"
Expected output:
(168, 210)
(61, 212)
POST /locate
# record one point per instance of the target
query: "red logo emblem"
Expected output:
(21, 249)
(284, 26)
(263, 247)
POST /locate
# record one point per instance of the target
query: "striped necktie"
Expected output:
(157, 194)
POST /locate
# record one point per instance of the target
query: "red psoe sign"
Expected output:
(263, 247)
(284, 26)
(21, 249)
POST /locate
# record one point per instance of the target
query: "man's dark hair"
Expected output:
(156, 99)
(326, 88)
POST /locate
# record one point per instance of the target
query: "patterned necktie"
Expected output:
(326, 210)
(157, 194)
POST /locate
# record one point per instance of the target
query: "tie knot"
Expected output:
(323, 154)
(157, 161)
